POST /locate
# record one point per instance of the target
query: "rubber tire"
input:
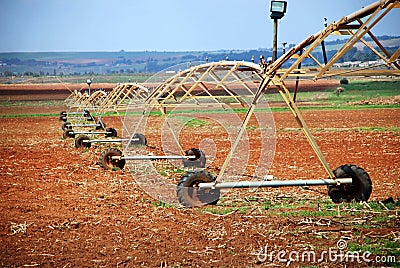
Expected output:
(107, 163)
(80, 144)
(190, 196)
(113, 132)
(63, 118)
(359, 190)
(199, 162)
(63, 113)
(66, 125)
(100, 125)
(69, 133)
(142, 141)
(64, 135)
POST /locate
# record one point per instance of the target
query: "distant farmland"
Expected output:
(39, 64)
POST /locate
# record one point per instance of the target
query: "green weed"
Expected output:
(380, 246)
(225, 210)
(161, 204)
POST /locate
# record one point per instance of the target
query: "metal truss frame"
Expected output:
(217, 83)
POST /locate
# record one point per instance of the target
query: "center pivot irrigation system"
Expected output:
(83, 108)
(227, 86)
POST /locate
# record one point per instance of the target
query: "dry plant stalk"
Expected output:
(19, 228)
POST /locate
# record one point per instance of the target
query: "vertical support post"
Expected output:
(297, 80)
(323, 44)
(89, 82)
(324, 52)
(275, 41)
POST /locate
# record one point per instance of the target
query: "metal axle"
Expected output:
(277, 183)
(76, 113)
(85, 125)
(109, 140)
(80, 118)
(92, 133)
(153, 157)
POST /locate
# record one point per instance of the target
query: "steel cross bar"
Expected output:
(205, 74)
(161, 89)
(130, 93)
(203, 87)
(313, 41)
(315, 60)
(395, 56)
(254, 73)
(113, 96)
(364, 29)
(154, 157)
(220, 83)
(91, 132)
(243, 82)
(386, 60)
(85, 125)
(122, 93)
(277, 183)
(109, 140)
(384, 50)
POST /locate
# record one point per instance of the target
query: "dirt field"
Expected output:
(59, 208)
(60, 91)
(46, 91)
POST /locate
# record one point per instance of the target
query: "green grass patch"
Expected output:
(338, 107)
(195, 123)
(381, 246)
(218, 210)
(27, 115)
(306, 213)
(358, 91)
(379, 129)
(161, 204)
(359, 129)
(293, 207)
(190, 121)
(169, 171)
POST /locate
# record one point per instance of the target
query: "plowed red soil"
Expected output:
(58, 208)
(46, 91)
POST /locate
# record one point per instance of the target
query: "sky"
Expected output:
(166, 25)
